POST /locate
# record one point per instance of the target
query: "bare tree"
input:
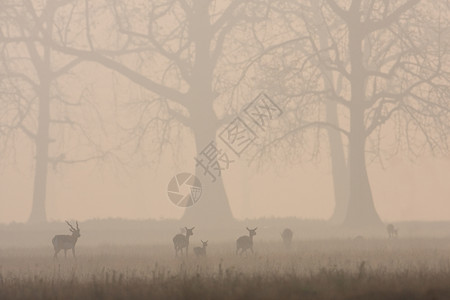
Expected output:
(385, 67)
(393, 76)
(35, 106)
(177, 51)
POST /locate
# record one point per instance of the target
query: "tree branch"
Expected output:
(134, 76)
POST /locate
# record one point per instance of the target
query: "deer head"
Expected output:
(75, 231)
(189, 232)
(252, 232)
(204, 243)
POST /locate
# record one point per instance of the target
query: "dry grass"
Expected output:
(316, 269)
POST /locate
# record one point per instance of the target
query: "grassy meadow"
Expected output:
(403, 268)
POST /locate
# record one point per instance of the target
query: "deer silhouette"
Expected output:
(392, 231)
(287, 235)
(66, 242)
(201, 251)
(181, 241)
(245, 242)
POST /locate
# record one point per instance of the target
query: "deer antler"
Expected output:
(71, 227)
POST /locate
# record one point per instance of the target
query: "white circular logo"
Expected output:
(184, 189)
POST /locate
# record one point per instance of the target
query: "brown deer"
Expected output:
(66, 242)
(392, 231)
(181, 241)
(201, 251)
(245, 242)
(287, 235)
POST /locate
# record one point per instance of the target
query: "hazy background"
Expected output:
(133, 183)
(403, 191)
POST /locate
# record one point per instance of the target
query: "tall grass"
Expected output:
(315, 269)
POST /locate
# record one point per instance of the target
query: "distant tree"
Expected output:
(384, 67)
(35, 108)
(180, 52)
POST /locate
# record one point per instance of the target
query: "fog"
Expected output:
(122, 120)
(128, 127)
(404, 191)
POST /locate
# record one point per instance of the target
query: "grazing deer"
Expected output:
(286, 235)
(66, 242)
(246, 242)
(201, 251)
(181, 241)
(392, 231)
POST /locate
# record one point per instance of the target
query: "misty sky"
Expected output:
(403, 191)
(130, 181)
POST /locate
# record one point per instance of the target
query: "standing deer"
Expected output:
(392, 231)
(286, 235)
(201, 251)
(66, 242)
(246, 242)
(181, 241)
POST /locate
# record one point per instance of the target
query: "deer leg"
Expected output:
(73, 251)
(65, 253)
(56, 253)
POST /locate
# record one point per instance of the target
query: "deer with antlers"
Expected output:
(246, 241)
(66, 242)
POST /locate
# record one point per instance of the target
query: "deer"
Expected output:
(286, 235)
(201, 251)
(66, 242)
(181, 241)
(246, 242)
(392, 231)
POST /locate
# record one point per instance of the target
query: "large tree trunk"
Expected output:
(43, 68)
(212, 210)
(339, 169)
(38, 214)
(361, 211)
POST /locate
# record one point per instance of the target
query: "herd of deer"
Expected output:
(181, 241)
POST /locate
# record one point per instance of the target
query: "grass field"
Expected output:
(310, 269)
